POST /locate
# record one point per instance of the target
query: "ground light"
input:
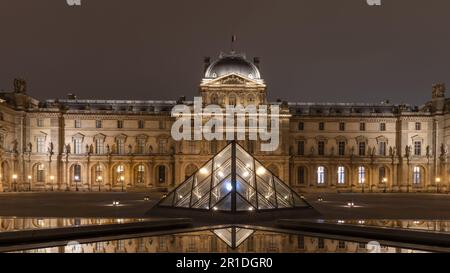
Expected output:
(115, 203)
(350, 204)
(320, 199)
(147, 198)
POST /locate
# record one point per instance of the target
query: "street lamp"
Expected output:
(29, 183)
(51, 180)
(76, 178)
(14, 177)
(385, 184)
(122, 179)
(99, 180)
(438, 180)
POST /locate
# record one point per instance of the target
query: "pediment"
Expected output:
(234, 79)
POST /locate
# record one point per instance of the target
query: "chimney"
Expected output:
(438, 97)
(206, 63)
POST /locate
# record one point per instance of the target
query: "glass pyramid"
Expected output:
(233, 181)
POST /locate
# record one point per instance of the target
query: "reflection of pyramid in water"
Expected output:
(233, 181)
(233, 236)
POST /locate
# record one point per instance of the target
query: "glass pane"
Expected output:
(201, 190)
(183, 201)
(168, 201)
(222, 172)
(242, 205)
(298, 202)
(245, 172)
(224, 204)
(265, 190)
(202, 203)
(244, 157)
(283, 201)
(242, 234)
(283, 192)
(225, 235)
(222, 157)
(246, 191)
(263, 203)
(221, 190)
(203, 172)
(184, 189)
(263, 173)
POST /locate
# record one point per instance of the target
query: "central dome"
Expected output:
(232, 63)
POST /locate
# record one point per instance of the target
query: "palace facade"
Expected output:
(112, 145)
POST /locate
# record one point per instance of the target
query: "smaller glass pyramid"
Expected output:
(233, 181)
(233, 236)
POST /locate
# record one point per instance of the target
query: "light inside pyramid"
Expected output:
(233, 180)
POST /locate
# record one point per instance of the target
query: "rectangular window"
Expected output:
(383, 126)
(341, 245)
(162, 146)
(362, 149)
(321, 126)
(362, 126)
(141, 124)
(119, 124)
(341, 175)
(141, 146)
(301, 147)
(40, 145)
(361, 175)
(301, 126)
(77, 146)
(321, 147)
(341, 148)
(417, 175)
(417, 148)
(161, 174)
(98, 124)
(418, 126)
(320, 175)
(77, 123)
(40, 122)
(301, 175)
(99, 146)
(321, 243)
(382, 148)
(120, 146)
(341, 126)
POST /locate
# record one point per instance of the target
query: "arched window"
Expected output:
(98, 173)
(140, 174)
(40, 173)
(361, 175)
(321, 175)
(417, 175)
(161, 174)
(341, 175)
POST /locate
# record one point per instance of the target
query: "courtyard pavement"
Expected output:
(333, 206)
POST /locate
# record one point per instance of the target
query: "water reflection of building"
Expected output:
(206, 242)
(71, 144)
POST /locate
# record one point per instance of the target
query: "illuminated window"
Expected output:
(77, 173)
(382, 174)
(140, 174)
(40, 145)
(417, 175)
(341, 175)
(320, 175)
(120, 142)
(361, 175)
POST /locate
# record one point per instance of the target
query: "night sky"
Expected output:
(310, 50)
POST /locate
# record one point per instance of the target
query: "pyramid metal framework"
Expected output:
(233, 181)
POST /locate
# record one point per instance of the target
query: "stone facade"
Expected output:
(103, 145)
